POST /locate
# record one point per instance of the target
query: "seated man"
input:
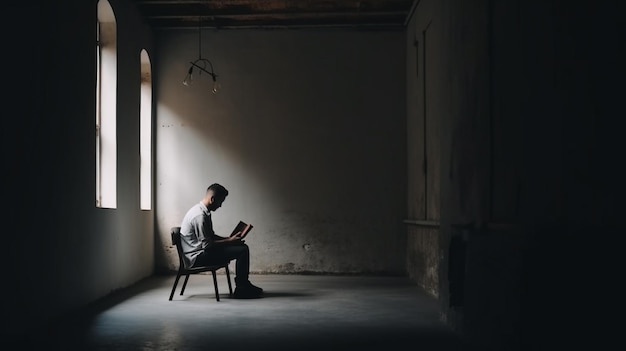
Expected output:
(201, 246)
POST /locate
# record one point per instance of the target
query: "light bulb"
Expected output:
(189, 78)
(216, 87)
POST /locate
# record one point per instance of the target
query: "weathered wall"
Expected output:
(308, 135)
(423, 257)
(60, 251)
(424, 117)
(528, 183)
(467, 148)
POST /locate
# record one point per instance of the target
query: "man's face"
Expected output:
(215, 203)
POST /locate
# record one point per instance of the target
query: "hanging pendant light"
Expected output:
(201, 65)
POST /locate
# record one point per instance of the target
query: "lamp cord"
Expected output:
(199, 37)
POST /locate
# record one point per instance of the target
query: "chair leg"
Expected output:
(217, 293)
(184, 284)
(174, 287)
(230, 286)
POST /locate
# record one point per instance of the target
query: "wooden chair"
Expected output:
(182, 270)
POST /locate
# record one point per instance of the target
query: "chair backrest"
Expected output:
(175, 233)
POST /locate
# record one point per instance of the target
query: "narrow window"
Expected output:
(106, 105)
(145, 130)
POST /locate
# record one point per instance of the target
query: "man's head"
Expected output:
(215, 196)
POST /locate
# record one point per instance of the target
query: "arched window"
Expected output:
(145, 132)
(106, 105)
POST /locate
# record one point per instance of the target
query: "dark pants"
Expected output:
(225, 253)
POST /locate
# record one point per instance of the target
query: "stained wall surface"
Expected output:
(307, 133)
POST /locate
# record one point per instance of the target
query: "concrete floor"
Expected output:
(297, 313)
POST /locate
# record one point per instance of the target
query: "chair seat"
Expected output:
(202, 269)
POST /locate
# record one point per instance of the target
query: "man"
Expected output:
(201, 246)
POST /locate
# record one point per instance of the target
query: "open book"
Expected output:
(242, 227)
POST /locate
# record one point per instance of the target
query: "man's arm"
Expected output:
(234, 239)
(220, 240)
(210, 238)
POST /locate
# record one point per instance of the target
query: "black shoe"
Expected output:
(246, 293)
(254, 288)
(245, 284)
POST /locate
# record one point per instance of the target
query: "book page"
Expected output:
(242, 227)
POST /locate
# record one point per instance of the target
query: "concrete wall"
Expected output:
(528, 111)
(308, 134)
(60, 252)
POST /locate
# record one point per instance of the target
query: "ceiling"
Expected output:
(238, 14)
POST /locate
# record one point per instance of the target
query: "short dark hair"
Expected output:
(218, 190)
